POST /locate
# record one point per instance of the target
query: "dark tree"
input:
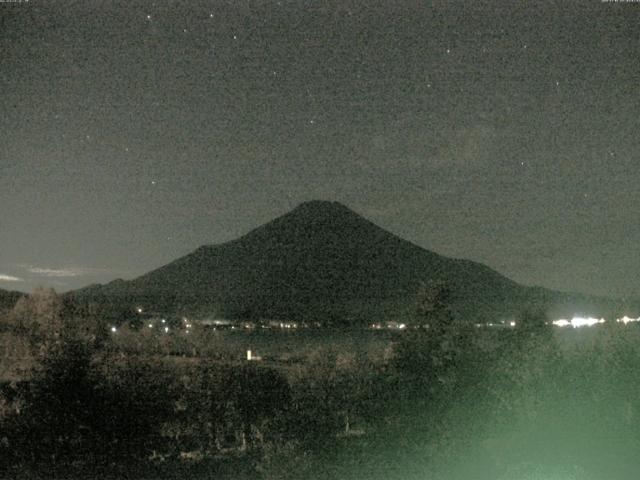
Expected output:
(434, 306)
(533, 322)
(428, 356)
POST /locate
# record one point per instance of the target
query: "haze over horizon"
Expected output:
(504, 133)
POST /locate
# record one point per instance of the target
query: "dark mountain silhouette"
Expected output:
(323, 262)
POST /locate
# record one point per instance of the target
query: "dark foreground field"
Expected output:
(462, 404)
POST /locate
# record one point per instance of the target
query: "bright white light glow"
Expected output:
(512, 324)
(585, 321)
(626, 320)
(166, 329)
(561, 323)
(114, 329)
(577, 322)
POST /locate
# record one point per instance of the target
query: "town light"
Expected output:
(585, 321)
(577, 322)
(561, 323)
(627, 319)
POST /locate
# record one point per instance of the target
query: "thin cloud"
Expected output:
(65, 272)
(9, 278)
(58, 272)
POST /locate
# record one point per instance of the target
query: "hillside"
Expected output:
(323, 262)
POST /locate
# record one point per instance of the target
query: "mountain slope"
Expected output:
(320, 262)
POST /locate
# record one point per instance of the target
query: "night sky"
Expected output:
(504, 132)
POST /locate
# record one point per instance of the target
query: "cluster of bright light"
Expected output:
(114, 329)
(186, 323)
(287, 325)
(166, 329)
(392, 325)
(561, 323)
(626, 320)
(577, 322)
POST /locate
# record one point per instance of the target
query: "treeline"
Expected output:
(88, 405)
(445, 398)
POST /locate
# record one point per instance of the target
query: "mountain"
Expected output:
(323, 262)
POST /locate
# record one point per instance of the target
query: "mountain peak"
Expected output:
(321, 206)
(314, 221)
